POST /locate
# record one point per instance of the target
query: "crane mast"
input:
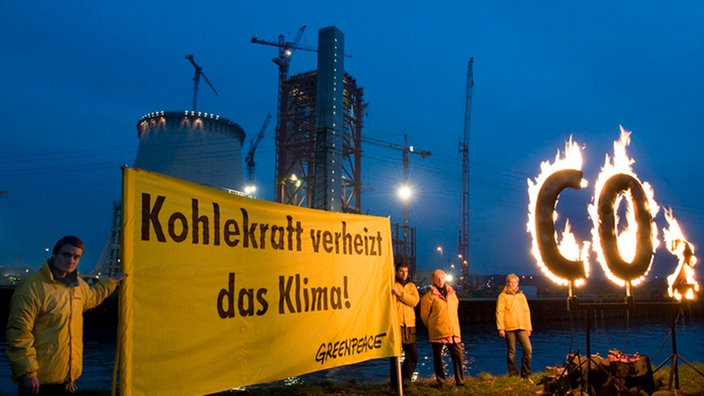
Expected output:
(286, 51)
(463, 247)
(196, 79)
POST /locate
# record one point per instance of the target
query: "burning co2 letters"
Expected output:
(624, 234)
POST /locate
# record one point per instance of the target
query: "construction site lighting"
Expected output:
(405, 193)
(250, 189)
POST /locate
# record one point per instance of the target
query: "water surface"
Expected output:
(484, 350)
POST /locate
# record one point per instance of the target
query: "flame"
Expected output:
(567, 243)
(572, 251)
(621, 163)
(682, 282)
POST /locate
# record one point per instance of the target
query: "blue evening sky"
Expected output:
(77, 76)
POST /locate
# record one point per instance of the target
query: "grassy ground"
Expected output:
(691, 383)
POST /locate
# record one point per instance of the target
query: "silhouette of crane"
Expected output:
(286, 51)
(249, 160)
(196, 79)
(463, 245)
(405, 150)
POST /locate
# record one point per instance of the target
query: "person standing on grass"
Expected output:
(406, 298)
(439, 312)
(513, 323)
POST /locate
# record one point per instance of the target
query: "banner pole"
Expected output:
(398, 375)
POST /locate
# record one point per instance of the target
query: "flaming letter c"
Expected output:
(545, 227)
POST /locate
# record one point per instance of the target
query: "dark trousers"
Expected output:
(456, 354)
(410, 361)
(524, 340)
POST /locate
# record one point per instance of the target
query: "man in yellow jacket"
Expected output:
(407, 298)
(513, 323)
(439, 312)
(45, 327)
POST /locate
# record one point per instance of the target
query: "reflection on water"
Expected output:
(484, 350)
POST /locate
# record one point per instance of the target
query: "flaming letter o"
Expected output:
(607, 227)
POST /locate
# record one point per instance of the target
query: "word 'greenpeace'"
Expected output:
(348, 347)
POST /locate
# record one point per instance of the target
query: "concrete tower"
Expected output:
(319, 132)
(328, 183)
(198, 147)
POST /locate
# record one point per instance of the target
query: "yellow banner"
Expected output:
(225, 291)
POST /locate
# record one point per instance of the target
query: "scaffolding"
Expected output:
(296, 142)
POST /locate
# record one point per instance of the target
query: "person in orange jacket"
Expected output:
(513, 323)
(439, 312)
(406, 297)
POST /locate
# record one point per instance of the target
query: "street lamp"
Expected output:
(405, 192)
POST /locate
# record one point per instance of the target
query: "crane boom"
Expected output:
(404, 148)
(287, 48)
(257, 40)
(196, 80)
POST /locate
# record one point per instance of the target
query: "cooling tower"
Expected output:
(194, 146)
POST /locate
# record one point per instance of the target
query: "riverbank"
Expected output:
(691, 383)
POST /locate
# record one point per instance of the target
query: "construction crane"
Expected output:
(405, 150)
(463, 245)
(286, 51)
(196, 79)
(249, 160)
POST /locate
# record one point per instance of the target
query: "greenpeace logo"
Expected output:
(348, 347)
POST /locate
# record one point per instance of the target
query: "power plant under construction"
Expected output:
(318, 139)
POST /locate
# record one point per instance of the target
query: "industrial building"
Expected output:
(198, 147)
(318, 143)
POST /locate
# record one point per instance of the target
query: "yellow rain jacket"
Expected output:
(405, 303)
(45, 326)
(512, 312)
(439, 314)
